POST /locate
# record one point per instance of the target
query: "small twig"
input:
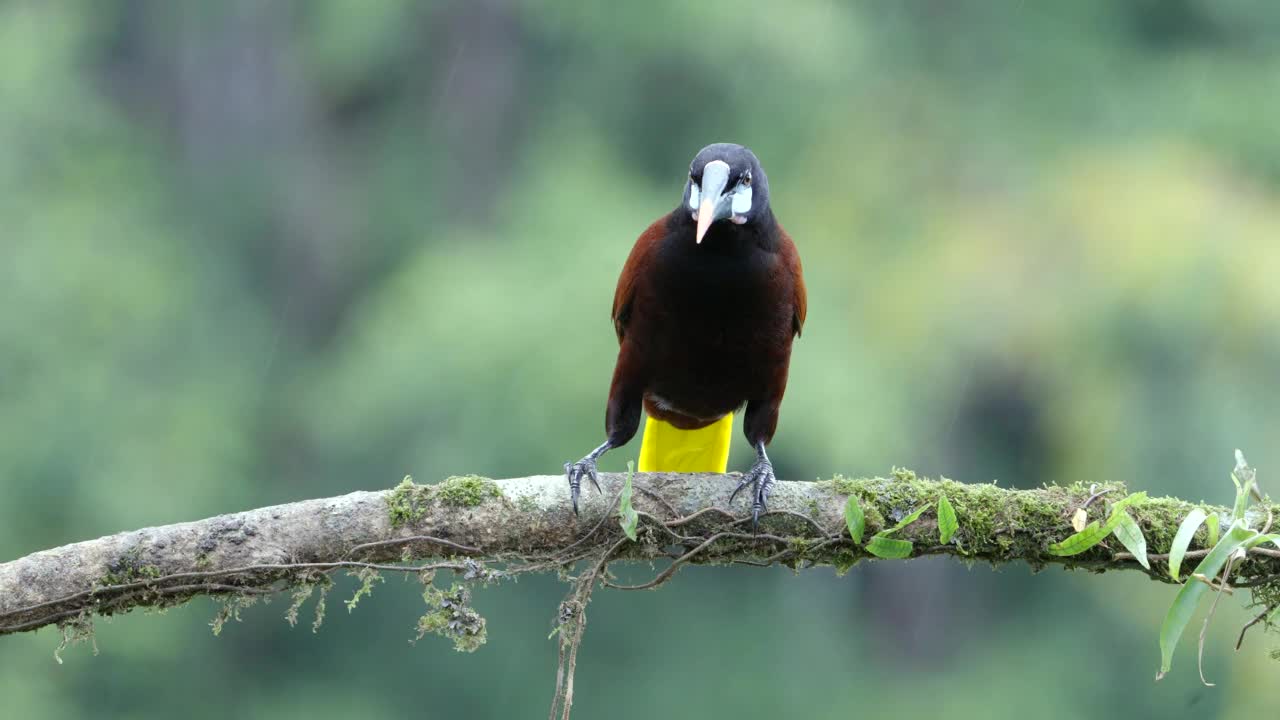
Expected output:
(157, 584)
(821, 530)
(675, 565)
(571, 640)
(783, 554)
(671, 569)
(1256, 581)
(204, 588)
(695, 515)
(1220, 587)
(657, 496)
(1094, 496)
(657, 523)
(415, 538)
(1261, 616)
(607, 514)
(755, 536)
(1196, 554)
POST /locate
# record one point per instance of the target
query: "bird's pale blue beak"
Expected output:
(716, 205)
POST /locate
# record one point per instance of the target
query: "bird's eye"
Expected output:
(746, 178)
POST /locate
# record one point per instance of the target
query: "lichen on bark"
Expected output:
(282, 547)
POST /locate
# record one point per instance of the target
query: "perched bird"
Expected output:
(705, 311)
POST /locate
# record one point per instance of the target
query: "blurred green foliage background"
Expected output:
(255, 252)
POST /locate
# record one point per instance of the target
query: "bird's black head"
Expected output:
(725, 182)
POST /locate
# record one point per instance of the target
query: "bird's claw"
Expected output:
(760, 477)
(575, 472)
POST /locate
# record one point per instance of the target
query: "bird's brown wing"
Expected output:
(637, 264)
(791, 258)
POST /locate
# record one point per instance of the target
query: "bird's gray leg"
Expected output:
(586, 466)
(760, 477)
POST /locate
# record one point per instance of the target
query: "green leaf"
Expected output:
(1273, 538)
(1184, 605)
(854, 519)
(1182, 540)
(905, 521)
(1242, 503)
(1211, 524)
(1245, 479)
(629, 518)
(947, 523)
(1130, 535)
(889, 548)
(1093, 533)
(1127, 501)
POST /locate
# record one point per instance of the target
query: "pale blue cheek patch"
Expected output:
(741, 200)
(694, 196)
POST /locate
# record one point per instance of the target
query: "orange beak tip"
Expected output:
(704, 220)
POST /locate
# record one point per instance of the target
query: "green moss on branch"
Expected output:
(467, 490)
(510, 523)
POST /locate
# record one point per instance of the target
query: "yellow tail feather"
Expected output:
(666, 448)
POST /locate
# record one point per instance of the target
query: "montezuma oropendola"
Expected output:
(705, 311)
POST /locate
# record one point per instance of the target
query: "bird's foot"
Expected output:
(760, 477)
(586, 467)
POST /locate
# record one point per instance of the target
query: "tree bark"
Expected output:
(474, 524)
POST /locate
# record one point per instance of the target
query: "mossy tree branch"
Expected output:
(480, 528)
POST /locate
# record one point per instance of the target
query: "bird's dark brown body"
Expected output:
(705, 328)
(706, 309)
